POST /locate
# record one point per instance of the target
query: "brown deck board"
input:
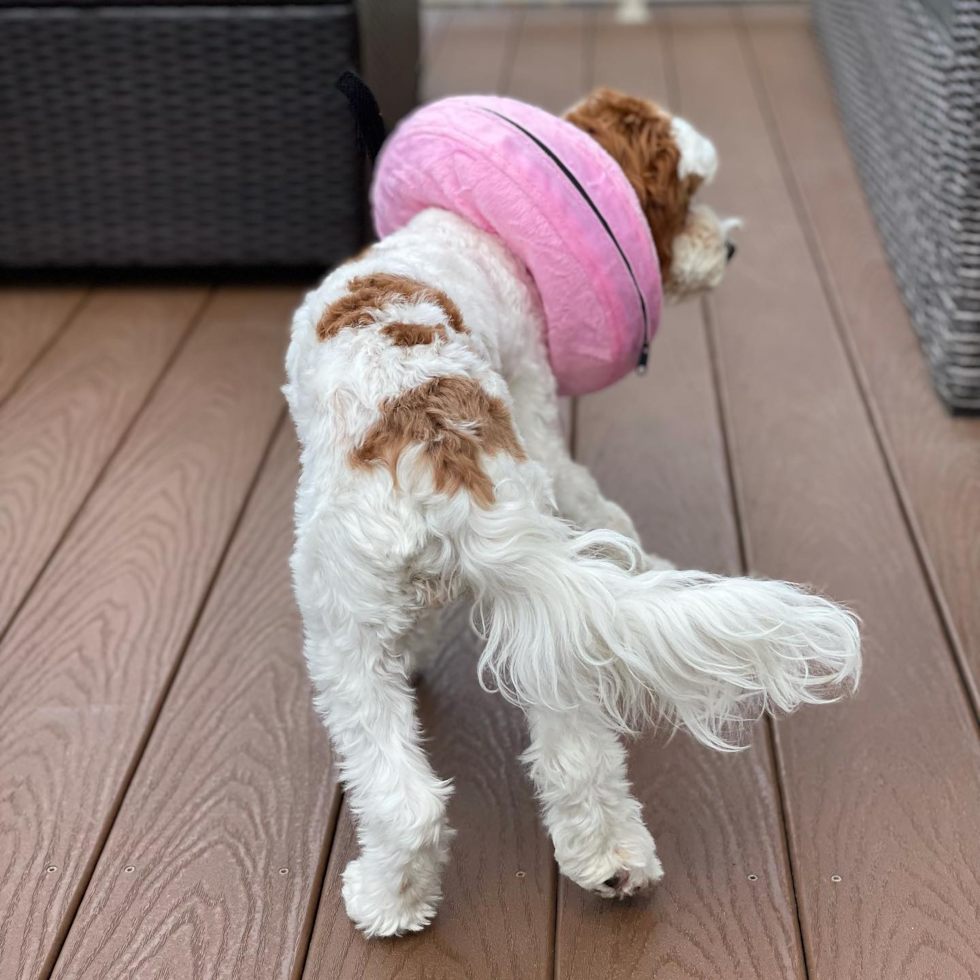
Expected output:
(551, 65)
(87, 661)
(656, 446)
(234, 786)
(475, 739)
(30, 319)
(935, 458)
(880, 790)
(62, 425)
(472, 54)
(434, 28)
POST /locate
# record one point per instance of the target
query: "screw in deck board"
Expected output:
(753, 877)
(284, 871)
(835, 878)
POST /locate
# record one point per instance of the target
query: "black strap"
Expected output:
(366, 112)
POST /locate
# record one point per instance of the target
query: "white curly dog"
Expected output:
(433, 467)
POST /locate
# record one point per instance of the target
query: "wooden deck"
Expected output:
(167, 808)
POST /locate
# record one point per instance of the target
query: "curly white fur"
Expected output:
(565, 625)
(587, 633)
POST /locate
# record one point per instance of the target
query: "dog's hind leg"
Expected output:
(578, 766)
(355, 622)
(577, 493)
(398, 801)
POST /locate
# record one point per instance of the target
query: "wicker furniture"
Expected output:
(192, 135)
(907, 76)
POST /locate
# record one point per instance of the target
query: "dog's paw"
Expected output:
(616, 867)
(631, 876)
(382, 904)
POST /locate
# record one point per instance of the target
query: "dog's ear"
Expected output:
(623, 123)
(641, 137)
(698, 156)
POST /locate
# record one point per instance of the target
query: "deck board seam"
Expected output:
(731, 468)
(319, 884)
(439, 37)
(515, 30)
(781, 795)
(46, 347)
(97, 482)
(856, 367)
(140, 749)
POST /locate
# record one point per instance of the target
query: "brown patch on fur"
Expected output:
(353, 309)
(636, 134)
(414, 292)
(412, 334)
(454, 421)
(371, 292)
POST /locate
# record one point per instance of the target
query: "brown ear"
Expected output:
(638, 135)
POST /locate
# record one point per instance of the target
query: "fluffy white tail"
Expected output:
(567, 620)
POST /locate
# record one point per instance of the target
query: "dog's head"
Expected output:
(666, 160)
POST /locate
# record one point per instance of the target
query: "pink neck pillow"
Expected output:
(558, 201)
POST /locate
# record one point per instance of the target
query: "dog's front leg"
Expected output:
(398, 801)
(577, 494)
(579, 770)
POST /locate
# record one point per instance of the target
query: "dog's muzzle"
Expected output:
(730, 251)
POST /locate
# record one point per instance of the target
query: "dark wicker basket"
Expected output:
(907, 78)
(165, 136)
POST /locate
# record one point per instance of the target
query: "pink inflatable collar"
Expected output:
(561, 204)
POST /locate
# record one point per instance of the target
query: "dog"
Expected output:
(434, 467)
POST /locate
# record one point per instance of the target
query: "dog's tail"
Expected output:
(567, 620)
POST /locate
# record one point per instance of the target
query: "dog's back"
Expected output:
(396, 390)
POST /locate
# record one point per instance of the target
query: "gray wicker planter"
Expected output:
(907, 78)
(177, 136)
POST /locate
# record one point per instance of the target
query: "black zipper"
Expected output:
(645, 349)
